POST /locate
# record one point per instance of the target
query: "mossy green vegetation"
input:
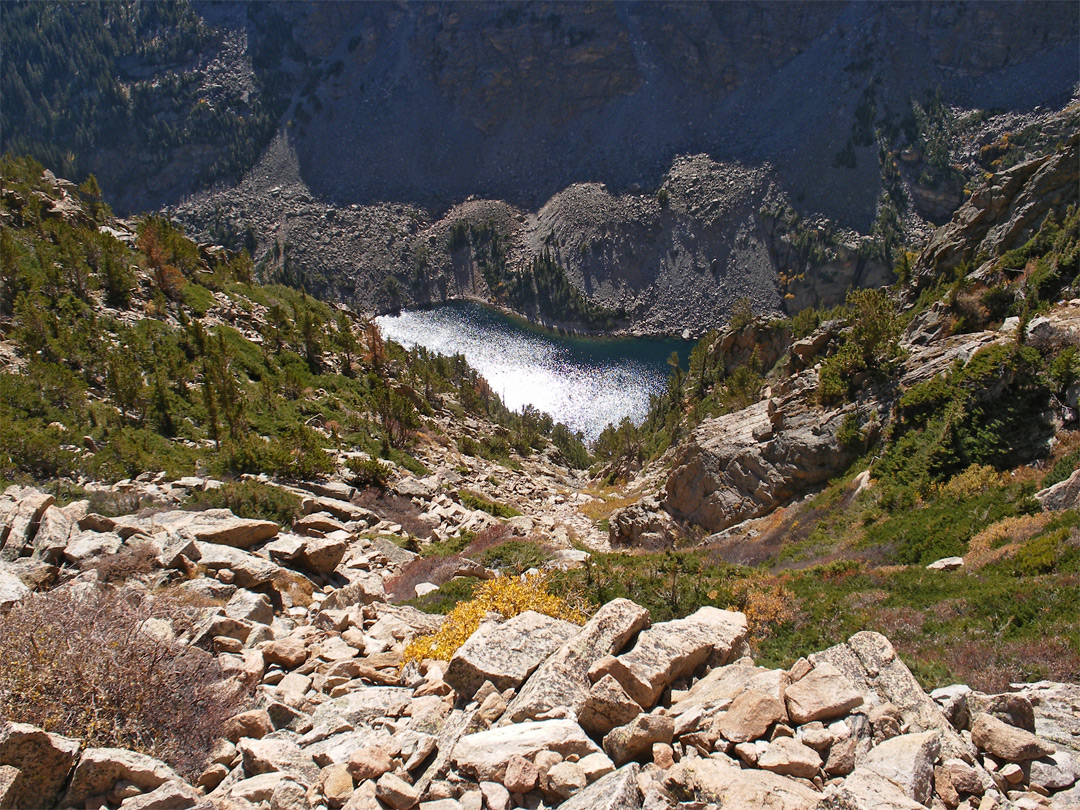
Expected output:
(143, 351)
(249, 499)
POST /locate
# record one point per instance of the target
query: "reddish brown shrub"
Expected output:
(134, 559)
(82, 661)
(395, 508)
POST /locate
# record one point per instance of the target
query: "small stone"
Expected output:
(496, 797)
(565, 779)
(336, 783)
(212, 776)
(396, 792)
(521, 775)
(255, 723)
(663, 755)
(289, 652)
(1012, 773)
(369, 763)
(789, 757)
(596, 765)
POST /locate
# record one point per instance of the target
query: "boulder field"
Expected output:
(531, 712)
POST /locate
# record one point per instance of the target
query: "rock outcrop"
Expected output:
(747, 463)
(1004, 213)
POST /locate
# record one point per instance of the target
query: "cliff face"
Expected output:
(359, 114)
(428, 104)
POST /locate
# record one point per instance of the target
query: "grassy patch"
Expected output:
(475, 501)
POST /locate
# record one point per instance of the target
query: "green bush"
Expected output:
(368, 472)
(249, 499)
(1055, 551)
(1066, 466)
(516, 556)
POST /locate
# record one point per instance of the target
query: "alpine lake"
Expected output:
(584, 382)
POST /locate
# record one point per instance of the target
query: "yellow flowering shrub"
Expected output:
(509, 596)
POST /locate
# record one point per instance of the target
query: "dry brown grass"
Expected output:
(438, 570)
(991, 664)
(397, 509)
(80, 661)
(1003, 539)
(608, 500)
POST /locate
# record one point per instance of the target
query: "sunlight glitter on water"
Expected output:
(585, 383)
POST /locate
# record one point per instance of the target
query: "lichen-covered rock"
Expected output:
(606, 707)
(563, 678)
(635, 740)
(908, 761)
(872, 665)
(1062, 495)
(43, 759)
(505, 653)
(672, 650)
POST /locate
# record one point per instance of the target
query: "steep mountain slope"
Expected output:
(381, 118)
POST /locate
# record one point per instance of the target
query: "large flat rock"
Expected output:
(865, 789)
(362, 705)
(250, 571)
(505, 653)
(484, 755)
(728, 785)
(563, 678)
(672, 650)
